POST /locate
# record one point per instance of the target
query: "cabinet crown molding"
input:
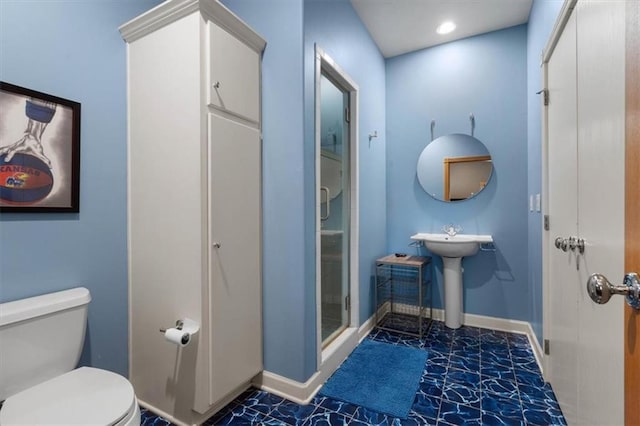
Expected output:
(173, 10)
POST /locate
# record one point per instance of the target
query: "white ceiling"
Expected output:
(401, 26)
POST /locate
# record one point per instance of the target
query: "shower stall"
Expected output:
(334, 210)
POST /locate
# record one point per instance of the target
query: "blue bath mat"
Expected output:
(379, 376)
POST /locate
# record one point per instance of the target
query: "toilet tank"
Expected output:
(41, 338)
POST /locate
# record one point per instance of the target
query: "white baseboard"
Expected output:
(300, 393)
(366, 328)
(500, 324)
(335, 354)
(161, 413)
(511, 326)
(197, 418)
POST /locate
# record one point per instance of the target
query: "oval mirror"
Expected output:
(454, 167)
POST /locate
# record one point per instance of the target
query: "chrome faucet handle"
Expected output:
(451, 229)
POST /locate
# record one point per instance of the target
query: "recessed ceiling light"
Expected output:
(446, 27)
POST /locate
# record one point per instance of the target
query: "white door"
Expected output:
(601, 80)
(563, 205)
(235, 254)
(585, 365)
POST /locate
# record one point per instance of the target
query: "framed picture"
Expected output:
(39, 152)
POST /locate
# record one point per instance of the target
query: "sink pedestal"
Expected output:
(452, 274)
(453, 248)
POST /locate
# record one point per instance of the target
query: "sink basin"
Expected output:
(459, 245)
(453, 249)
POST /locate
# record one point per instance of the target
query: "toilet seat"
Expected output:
(85, 396)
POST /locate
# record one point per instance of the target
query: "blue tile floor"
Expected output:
(472, 376)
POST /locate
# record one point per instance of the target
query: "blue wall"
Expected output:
(541, 20)
(287, 295)
(289, 165)
(73, 50)
(484, 75)
(336, 28)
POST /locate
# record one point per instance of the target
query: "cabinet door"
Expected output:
(234, 75)
(235, 254)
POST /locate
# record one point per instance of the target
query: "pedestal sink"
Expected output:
(452, 248)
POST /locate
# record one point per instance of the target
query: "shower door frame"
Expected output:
(341, 344)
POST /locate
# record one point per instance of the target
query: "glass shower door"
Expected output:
(334, 209)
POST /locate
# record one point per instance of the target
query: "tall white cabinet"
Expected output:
(194, 209)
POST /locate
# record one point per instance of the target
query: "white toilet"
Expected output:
(41, 339)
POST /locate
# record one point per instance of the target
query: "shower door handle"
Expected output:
(328, 194)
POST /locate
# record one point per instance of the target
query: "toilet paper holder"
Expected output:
(179, 326)
(187, 326)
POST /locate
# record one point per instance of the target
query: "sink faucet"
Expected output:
(451, 229)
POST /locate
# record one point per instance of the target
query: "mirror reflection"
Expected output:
(454, 167)
(330, 175)
(332, 138)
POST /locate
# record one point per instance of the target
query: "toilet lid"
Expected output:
(81, 397)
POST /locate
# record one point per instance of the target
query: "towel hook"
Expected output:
(433, 126)
(473, 123)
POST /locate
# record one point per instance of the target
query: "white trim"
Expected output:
(300, 393)
(173, 10)
(493, 323)
(318, 235)
(537, 350)
(129, 234)
(561, 22)
(324, 62)
(218, 13)
(369, 324)
(303, 393)
(500, 324)
(158, 17)
(503, 324)
(354, 226)
(199, 418)
(546, 235)
(161, 413)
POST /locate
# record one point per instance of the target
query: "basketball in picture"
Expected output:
(24, 180)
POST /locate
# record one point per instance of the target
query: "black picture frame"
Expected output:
(39, 152)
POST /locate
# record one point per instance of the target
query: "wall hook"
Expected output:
(473, 123)
(373, 134)
(433, 126)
